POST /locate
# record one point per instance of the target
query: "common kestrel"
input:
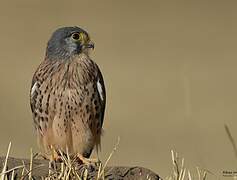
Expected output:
(68, 96)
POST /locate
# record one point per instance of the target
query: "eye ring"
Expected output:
(75, 36)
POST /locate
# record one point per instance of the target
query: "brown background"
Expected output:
(169, 67)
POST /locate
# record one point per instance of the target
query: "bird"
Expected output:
(68, 97)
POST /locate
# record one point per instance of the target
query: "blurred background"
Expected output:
(169, 67)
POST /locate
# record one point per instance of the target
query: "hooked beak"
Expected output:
(90, 45)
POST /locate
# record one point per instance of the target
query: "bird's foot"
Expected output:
(88, 161)
(54, 155)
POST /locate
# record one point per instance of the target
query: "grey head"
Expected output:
(67, 42)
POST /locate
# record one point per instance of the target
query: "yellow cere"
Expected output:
(83, 37)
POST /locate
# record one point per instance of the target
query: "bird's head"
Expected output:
(67, 42)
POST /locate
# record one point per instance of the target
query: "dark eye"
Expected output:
(76, 36)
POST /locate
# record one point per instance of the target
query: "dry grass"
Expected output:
(232, 141)
(180, 172)
(68, 168)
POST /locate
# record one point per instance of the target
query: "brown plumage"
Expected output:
(68, 95)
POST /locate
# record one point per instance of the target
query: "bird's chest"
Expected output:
(73, 89)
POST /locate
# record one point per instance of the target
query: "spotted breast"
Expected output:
(68, 104)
